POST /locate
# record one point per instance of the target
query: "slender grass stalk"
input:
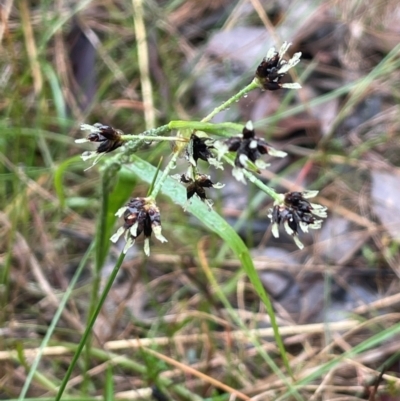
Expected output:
(217, 129)
(144, 63)
(54, 322)
(253, 85)
(153, 138)
(89, 326)
(101, 233)
(160, 182)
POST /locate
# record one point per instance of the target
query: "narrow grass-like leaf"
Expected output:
(89, 326)
(56, 89)
(40, 378)
(54, 322)
(59, 177)
(109, 384)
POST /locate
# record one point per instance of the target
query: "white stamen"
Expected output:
(288, 229)
(243, 159)
(221, 149)
(121, 211)
(298, 242)
(249, 125)
(146, 247)
(293, 85)
(133, 229)
(284, 48)
(261, 164)
(295, 59)
(271, 53)
(253, 144)
(214, 162)
(81, 140)
(304, 227)
(91, 128)
(316, 225)
(275, 152)
(319, 212)
(309, 194)
(115, 237)
(218, 185)
(158, 235)
(290, 64)
(238, 174)
(275, 230)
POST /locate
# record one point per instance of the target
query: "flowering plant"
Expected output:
(197, 140)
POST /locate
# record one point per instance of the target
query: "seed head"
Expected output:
(197, 186)
(249, 148)
(296, 212)
(273, 68)
(108, 137)
(200, 148)
(141, 215)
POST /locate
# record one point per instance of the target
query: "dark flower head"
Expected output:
(197, 186)
(141, 215)
(200, 148)
(108, 137)
(296, 212)
(273, 68)
(249, 148)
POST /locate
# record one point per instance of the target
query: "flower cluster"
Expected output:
(273, 68)
(248, 148)
(108, 137)
(296, 212)
(197, 185)
(200, 148)
(141, 215)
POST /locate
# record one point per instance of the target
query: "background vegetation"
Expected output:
(187, 323)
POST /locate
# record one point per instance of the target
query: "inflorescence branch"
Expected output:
(194, 139)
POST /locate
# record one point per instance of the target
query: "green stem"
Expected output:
(152, 138)
(221, 129)
(89, 327)
(160, 182)
(265, 188)
(233, 99)
(252, 178)
(55, 320)
(150, 134)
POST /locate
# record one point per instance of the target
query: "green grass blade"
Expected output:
(89, 326)
(54, 322)
(109, 384)
(59, 177)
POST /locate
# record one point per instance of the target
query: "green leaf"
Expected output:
(59, 177)
(109, 384)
